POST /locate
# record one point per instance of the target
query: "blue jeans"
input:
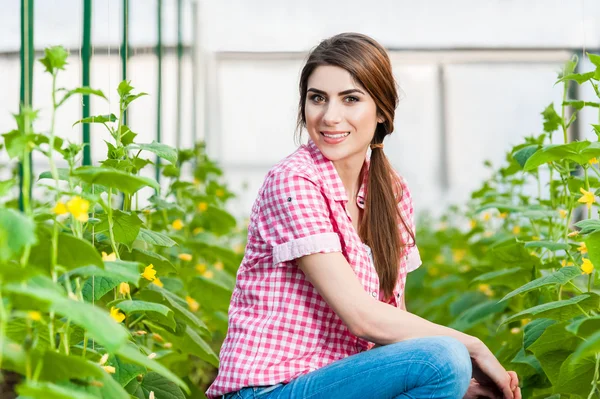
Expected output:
(420, 368)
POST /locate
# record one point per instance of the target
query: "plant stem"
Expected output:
(596, 375)
(110, 225)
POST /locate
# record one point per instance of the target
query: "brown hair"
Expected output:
(368, 63)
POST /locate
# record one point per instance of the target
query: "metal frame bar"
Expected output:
(86, 56)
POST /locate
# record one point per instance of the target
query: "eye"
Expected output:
(317, 98)
(352, 99)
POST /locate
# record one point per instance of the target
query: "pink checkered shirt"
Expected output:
(279, 326)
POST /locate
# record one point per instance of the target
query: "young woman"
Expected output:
(318, 307)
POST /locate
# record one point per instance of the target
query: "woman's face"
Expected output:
(341, 116)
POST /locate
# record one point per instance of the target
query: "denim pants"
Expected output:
(419, 368)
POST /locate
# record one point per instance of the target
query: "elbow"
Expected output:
(362, 324)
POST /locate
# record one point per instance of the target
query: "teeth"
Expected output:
(336, 136)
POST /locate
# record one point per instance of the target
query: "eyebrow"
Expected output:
(341, 93)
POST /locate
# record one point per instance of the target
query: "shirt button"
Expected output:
(374, 294)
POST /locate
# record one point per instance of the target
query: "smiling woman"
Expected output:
(318, 307)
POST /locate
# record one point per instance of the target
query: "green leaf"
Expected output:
(515, 276)
(592, 242)
(97, 119)
(554, 337)
(162, 150)
(126, 227)
(162, 387)
(63, 174)
(155, 238)
(6, 186)
(553, 246)
(158, 294)
(154, 311)
(559, 310)
(96, 287)
(57, 367)
(132, 354)
(573, 151)
(86, 91)
(584, 327)
(119, 270)
(210, 294)
(217, 220)
(576, 376)
(589, 347)
(125, 371)
(578, 77)
(477, 314)
(16, 143)
(72, 253)
(594, 59)
(188, 341)
(579, 104)
(523, 154)
(534, 329)
(161, 264)
(131, 98)
(588, 226)
(55, 58)
(45, 390)
(13, 355)
(114, 178)
(551, 119)
(561, 276)
(16, 232)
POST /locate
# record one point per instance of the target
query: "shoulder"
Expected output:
(296, 169)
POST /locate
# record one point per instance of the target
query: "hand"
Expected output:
(490, 379)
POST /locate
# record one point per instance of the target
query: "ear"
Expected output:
(380, 118)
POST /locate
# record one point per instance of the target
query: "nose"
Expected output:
(333, 114)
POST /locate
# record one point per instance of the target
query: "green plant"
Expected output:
(512, 269)
(102, 298)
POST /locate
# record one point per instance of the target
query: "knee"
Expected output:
(454, 363)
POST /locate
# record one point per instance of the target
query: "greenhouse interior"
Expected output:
(172, 209)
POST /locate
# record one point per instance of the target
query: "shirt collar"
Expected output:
(334, 182)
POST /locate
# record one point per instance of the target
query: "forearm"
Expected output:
(385, 324)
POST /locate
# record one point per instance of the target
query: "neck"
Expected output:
(349, 171)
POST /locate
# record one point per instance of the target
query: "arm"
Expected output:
(378, 322)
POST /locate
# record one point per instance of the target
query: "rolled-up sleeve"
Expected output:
(295, 218)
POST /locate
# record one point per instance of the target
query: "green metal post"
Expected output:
(125, 47)
(159, 55)
(179, 69)
(194, 71)
(27, 57)
(86, 55)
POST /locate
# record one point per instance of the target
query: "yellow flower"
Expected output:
(111, 257)
(208, 274)
(60, 208)
(103, 359)
(219, 192)
(149, 273)
(443, 226)
(198, 230)
(458, 254)
(587, 266)
(563, 213)
(582, 248)
(168, 345)
(124, 289)
(525, 321)
(573, 234)
(158, 337)
(588, 198)
(535, 238)
(34, 315)
(433, 271)
(185, 257)
(79, 208)
(239, 248)
(464, 268)
(152, 355)
(503, 215)
(593, 161)
(564, 263)
(201, 268)
(194, 306)
(158, 282)
(109, 369)
(147, 211)
(485, 288)
(515, 330)
(177, 225)
(116, 314)
(219, 265)
(473, 223)
(487, 216)
(516, 230)
(202, 207)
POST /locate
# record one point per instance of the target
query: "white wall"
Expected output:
(251, 53)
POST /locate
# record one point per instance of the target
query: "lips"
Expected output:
(334, 137)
